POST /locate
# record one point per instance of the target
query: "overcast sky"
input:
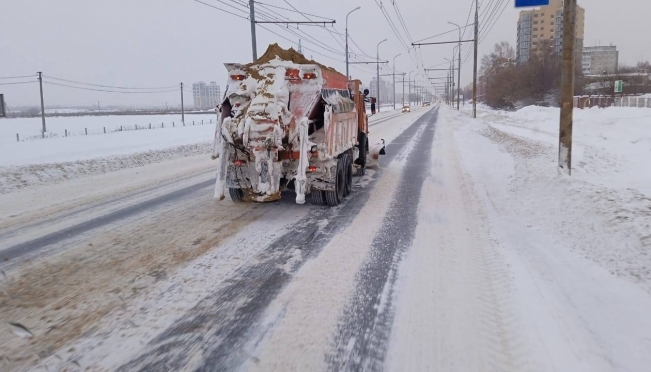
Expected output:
(159, 43)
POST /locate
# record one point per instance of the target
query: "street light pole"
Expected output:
(450, 100)
(416, 88)
(378, 74)
(453, 72)
(459, 72)
(253, 38)
(474, 79)
(409, 85)
(403, 89)
(347, 72)
(394, 81)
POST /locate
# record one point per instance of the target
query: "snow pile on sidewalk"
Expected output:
(601, 213)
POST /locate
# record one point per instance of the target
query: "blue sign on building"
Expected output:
(526, 3)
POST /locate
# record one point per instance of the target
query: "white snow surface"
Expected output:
(517, 268)
(513, 267)
(124, 331)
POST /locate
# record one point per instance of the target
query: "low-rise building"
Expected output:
(600, 60)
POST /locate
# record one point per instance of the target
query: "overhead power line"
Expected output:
(111, 91)
(278, 7)
(225, 11)
(17, 77)
(108, 86)
(19, 82)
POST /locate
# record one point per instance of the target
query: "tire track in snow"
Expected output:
(37, 244)
(363, 333)
(213, 335)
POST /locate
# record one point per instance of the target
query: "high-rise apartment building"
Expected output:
(385, 90)
(206, 96)
(542, 28)
(599, 60)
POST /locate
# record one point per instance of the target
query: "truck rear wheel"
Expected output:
(336, 196)
(236, 194)
(363, 150)
(317, 197)
(349, 174)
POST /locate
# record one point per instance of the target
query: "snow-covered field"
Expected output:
(30, 128)
(52, 159)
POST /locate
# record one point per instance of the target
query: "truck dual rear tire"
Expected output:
(317, 197)
(343, 181)
(363, 150)
(236, 194)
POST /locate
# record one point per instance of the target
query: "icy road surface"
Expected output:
(435, 263)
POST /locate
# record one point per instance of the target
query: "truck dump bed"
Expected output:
(279, 115)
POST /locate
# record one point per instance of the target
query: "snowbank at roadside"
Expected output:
(576, 250)
(17, 177)
(602, 212)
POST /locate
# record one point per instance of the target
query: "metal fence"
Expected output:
(608, 101)
(632, 101)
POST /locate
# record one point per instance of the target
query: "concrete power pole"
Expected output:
(182, 107)
(253, 40)
(474, 69)
(394, 80)
(347, 71)
(459, 81)
(567, 88)
(40, 83)
(378, 74)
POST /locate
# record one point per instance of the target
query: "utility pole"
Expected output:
(567, 88)
(347, 72)
(182, 107)
(459, 80)
(447, 90)
(99, 109)
(474, 70)
(403, 89)
(40, 83)
(253, 40)
(394, 80)
(459, 69)
(451, 99)
(378, 74)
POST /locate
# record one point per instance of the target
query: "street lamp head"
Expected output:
(358, 8)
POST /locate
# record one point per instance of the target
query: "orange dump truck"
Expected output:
(290, 123)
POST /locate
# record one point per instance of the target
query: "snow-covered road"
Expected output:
(443, 259)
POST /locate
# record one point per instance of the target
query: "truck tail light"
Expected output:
(309, 76)
(311, 168)
(238, 77)
(239, 163)
(291, 74)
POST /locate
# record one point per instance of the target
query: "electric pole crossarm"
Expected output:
(367, 63)
(297, 22)
(444, 42)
